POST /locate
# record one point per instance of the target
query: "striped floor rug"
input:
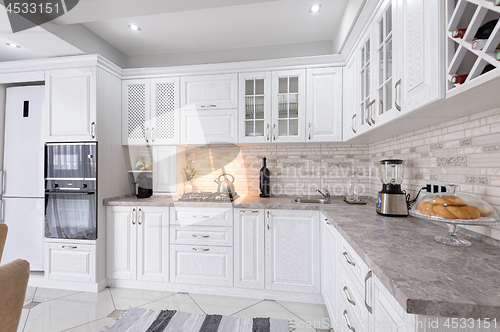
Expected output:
(144, 320)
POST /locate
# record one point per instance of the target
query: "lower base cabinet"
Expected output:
(329, 266)
(73, 262)
(137, 243)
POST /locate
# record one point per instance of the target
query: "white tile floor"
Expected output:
(52, 310)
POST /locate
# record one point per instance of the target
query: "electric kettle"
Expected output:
(225, 186)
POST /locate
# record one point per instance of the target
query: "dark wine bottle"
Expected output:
(486, 29)
(265, 186)
(459, 79)
(488, 68)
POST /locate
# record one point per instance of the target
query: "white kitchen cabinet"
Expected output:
(74, 262)
(164, 169)
(249, 262)
(209, 126)
(150, 111)
(386, 54)
(329, 267)
(421, 61)
(292, 251)
(324, 105)
(255, 107)
(351, 97)
(71, 96)
(137, 243)
(209, 92)
(201, 265)
(288, 105)
(365, 69)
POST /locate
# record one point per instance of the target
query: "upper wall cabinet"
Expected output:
(324, 105)
(72, 104)
(422, 73)
(209, 92)
(351, 97)
(255, 107)
(150, 111)
(288, 105)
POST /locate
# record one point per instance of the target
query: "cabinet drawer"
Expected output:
(351, 295)
(348, 319)
(351, 262)
(70, 262)
(200, 235)
(201, 265)
(184, 216)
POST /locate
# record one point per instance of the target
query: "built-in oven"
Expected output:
(71, 190)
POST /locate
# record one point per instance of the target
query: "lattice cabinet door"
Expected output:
(136, 129)
(165, 105)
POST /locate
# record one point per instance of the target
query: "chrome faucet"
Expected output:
(326, 195)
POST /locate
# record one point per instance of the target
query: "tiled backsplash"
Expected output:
(465, 151)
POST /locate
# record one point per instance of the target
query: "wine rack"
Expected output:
(462, 58)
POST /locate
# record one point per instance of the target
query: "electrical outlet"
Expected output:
(435, 187)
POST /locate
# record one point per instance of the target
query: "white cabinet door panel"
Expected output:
(152, 243)
(351, 97)
(72, 104)
(136, 105)
(324, 105)
(164, 169)
(202, 265)
(165, 111)
(209, 92)
(292, 251)
(71, 262)
(121, 243)
(249, 249)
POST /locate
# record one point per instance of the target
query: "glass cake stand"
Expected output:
(479, 213)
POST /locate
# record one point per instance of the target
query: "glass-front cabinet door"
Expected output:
(288, 106)
(365, 68)
(255, 107)
(384, 109)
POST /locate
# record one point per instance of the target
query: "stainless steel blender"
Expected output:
(391, 199)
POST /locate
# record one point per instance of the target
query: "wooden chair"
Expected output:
(13, 283)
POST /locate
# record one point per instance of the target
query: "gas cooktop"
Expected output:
(208, 197)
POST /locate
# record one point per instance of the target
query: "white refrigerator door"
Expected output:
(25, 237)
(23, 146)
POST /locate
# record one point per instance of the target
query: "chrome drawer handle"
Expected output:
(368, 276)
(205, 106)
(396, 95)
(247, 211)
(201, 216)
(92, 129)
(347, 321)
(201, 249)
(69, 247)
(327, 222)
(353, 130)
(194, 235)
(346, 256)
(347, 296)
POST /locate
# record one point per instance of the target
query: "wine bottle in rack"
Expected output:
(497, 56)
(486, 29)
(488, 68)
(496, 2)
(458, 33)
(459, 79)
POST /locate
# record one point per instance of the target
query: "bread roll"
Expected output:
(485, 211)
(442, 201)
(473, 211)
(456, 200)
(428, 209)
(459, 212)
(443, 212)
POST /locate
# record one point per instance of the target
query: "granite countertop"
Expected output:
(425, 277)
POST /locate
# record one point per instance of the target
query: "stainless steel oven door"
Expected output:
(65, 161)
(70, 214)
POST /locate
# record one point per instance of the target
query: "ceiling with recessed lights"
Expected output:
(185, 32)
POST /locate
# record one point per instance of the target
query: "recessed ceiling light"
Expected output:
(134, 27)
(315, 9)
(13, 45)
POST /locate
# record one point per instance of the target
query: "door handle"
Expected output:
(133, 216)
(347, 321)
(347, 296)
(92, 129)
(309, 131)
(140, 216)
(352, 127)
(396, 95)
(346, 256)
(267, 132)
(370, 112)
(153, 134)
(268, 227)
(274, 132)
(367, 115)
(368, 276)
(3, 182)
(1, 217)
(327, 222)
(146, 135)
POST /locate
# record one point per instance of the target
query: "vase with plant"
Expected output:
(189, 173)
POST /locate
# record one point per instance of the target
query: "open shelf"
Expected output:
(461, 57)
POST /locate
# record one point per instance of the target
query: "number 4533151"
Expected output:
(32, 8)
(463, 323)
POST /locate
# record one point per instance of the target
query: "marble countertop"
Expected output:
(424, 276)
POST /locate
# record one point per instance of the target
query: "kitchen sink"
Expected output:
(307, 200)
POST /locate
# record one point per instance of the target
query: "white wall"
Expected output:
(351, 11)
